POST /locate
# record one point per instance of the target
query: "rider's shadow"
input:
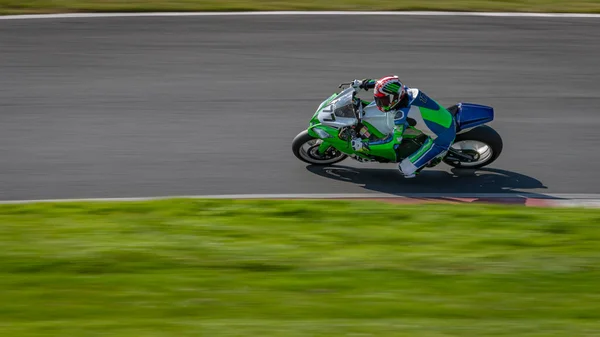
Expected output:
(477, 183)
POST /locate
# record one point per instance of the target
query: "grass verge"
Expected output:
(277, 268)
(50, 6)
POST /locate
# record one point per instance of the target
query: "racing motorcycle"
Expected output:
(343, 116)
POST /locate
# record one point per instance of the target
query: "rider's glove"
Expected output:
(361, 84)
(357, 84)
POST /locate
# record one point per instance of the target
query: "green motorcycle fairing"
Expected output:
(383, 149)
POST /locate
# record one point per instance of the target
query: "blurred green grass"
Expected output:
(304, 268)
(49, 6)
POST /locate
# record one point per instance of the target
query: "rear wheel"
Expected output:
(482, 145)
(305, 148)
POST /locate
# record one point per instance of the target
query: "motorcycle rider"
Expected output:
(391, 96)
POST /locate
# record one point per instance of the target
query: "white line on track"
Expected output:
(559, 198)
(309, 13)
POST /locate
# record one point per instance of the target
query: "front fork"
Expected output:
(323, 147)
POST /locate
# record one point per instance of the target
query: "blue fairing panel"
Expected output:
(471, 115)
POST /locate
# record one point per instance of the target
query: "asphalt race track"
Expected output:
(157, 106)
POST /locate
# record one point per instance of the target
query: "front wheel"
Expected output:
(305, 148)
(483, 144)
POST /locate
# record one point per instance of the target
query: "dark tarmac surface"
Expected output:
(128, 107)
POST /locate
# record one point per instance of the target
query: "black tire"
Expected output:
(484, 134)
(303, 138)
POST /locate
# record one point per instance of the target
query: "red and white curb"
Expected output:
(525, 199)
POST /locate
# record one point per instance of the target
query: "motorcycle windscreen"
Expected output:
(344, 107)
